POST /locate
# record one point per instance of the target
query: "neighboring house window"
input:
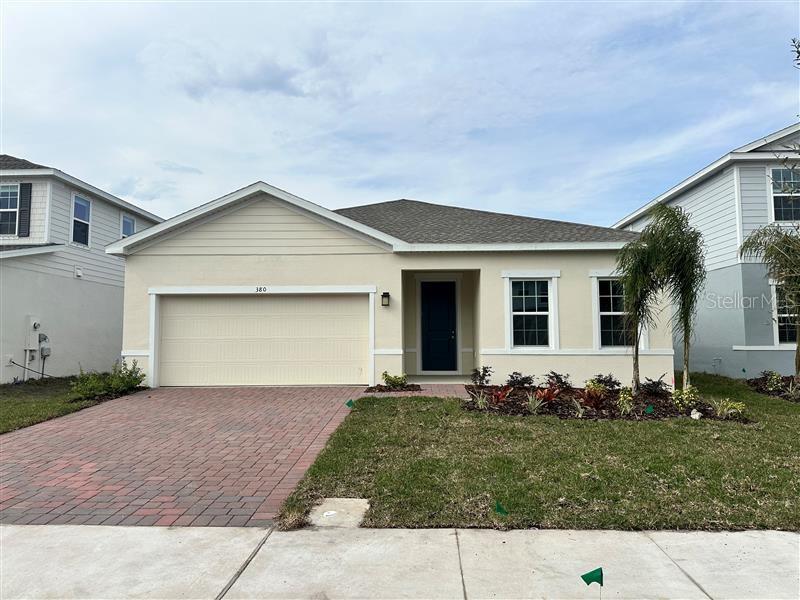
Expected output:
(128, 226)
(81, 218)
(786, 194)
(9, 209)
(530, 312)
(787, 318)
(614, 330)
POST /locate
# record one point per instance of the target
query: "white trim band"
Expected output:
(779, 348)
(265, 290)
(627, 351)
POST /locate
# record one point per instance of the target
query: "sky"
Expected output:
(574, 111)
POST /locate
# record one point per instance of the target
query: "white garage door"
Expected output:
(263, 340)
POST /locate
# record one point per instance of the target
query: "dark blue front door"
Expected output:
(438, 331)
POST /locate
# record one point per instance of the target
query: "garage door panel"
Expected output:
(263, 340)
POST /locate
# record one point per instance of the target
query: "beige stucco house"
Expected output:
(261, 287)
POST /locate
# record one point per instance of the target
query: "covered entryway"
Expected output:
(285, 339)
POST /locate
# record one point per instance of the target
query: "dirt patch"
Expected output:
(385, 389)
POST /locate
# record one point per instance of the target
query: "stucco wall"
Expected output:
(384, 270)
(83, 320)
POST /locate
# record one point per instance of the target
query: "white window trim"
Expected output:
(596, 276)
(155, 293)
(122, 216)
(15, 235)
(72, 220)
(553, 321)
(771, 197)
(775, 328)
(455, 278)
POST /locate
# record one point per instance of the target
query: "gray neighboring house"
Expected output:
(58, 287)
(742, 325)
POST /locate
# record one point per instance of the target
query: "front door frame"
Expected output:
(456, 279)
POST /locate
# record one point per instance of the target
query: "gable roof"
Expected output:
(755, 150)
(418, 222)
(12, 166)
(409, 226)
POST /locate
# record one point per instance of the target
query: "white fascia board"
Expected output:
(82, 185)
(794, 128)
(519, 247)
(126, 245)
(30, 251)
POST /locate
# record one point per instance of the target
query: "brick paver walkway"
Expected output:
(170, 456)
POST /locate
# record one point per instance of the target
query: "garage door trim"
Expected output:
(254, 290)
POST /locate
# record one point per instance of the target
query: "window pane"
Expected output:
(529, 296)
(9, 196)
(611, 296)
(128, 226)
(80, 232)
(531, 330)
(787, 208)
(613, 331)
(517, 288)
(786, 181)
(81, 209)
(517, 304)
(787, 330)
(8, 223)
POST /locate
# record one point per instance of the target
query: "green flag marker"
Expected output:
(350, 403)
(500, 509)
(649, 410)
(595, 576)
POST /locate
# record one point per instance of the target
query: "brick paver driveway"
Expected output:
(188, 456)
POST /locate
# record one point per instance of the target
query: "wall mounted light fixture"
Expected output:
(385, 299)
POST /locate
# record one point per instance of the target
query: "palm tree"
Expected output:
(779, 248)
(637, 264)
(681, 262)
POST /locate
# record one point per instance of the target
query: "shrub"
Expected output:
(517, 379)
(499, 396)
(395, 382)
(121, 380)
(792, 392)
(533, 402)
(657, 387)
(558, 381)
(685, 399)
(725, 408)
(481, 400)
(579, 409)
(593, 395)
(548, 394)
(481, 376)
(610, 382)
(772, 381)
(625, 401)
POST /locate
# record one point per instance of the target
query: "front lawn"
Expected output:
(37, 400)
(426, 462)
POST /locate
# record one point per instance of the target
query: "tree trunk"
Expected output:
(797, 354)
(686, 382)
(635, 385)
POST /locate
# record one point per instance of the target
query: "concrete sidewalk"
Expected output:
(134, 562)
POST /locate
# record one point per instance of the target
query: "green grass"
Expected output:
(37, 400)
(425, 462)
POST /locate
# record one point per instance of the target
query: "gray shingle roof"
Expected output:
(8, 162)
(424, 223)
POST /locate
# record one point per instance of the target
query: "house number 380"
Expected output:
(261, 288)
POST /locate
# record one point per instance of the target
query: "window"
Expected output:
(530, 312)
(786, 194)
(128, 226)
(614, 330)
(787, 318)
(81, 217)
(9, 205)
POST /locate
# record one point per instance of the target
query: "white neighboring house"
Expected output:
(58, 287)
(742, 325)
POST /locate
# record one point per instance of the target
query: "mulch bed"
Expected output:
(760, 385)
(385, 389)
(563, 407)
